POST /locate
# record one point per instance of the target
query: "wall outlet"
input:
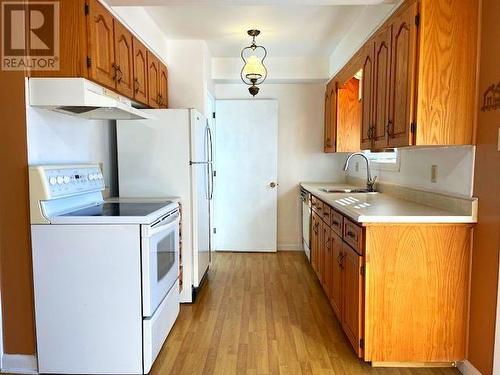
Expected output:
(434, 172)
(356, 166)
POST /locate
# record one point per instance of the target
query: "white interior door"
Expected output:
(247, 171)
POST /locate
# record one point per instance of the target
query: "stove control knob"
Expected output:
(91, 177)
(66, 179)
(99, 176)
(53, 181)
(60, 180)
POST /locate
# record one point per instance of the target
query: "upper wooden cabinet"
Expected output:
(419, 78)
(330, 117)
(367, 55)
(381, 83)
(101, 60)
(140, 72)
(124, 60)
(403, 73)
(153, 81)
(163, 86)
(96, 45)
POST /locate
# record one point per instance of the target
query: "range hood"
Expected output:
(81, 97)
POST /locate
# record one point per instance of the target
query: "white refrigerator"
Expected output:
(170, 155)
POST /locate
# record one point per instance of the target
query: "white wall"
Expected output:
(189, 73)
(59, 138)
(367, 22)
(300, 148)
(144, 27)
(454, 176)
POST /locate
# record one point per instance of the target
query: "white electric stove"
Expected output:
(105, 273)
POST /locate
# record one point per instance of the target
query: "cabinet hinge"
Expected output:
(89, 62)
(362, 270)
(362, 343)
(215, 173)
(417, 19)
(213, 114)
(413, 127)
(87, 9)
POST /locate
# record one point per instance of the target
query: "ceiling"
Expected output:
(290, 28)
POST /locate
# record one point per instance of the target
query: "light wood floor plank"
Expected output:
(263, 314)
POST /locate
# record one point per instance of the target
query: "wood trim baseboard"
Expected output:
(19, 364)
(413, 364)
(290, 247)
(467, 368)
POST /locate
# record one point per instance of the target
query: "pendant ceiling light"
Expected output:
(254, 71)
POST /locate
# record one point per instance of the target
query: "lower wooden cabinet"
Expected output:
(400, 291)
(352, 297)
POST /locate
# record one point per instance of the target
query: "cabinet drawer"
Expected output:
(336, 220)
(317, 205)
(353, 235)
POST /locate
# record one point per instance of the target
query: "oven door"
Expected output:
(160, 260)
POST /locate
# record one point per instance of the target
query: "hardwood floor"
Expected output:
(263, 314)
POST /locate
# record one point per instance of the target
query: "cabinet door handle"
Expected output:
(351, 234)
(115, 71)
(136, 85)
(120, 75)
(390, 130)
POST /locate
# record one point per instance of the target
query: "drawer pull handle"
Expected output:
(335, 222)
(351, 234)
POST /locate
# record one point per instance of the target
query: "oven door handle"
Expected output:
(163, 224)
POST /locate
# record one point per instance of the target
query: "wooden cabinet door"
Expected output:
(327, 269)
(153, 80)
(315, 241)
(367, 96)
(163, 86)
(124, 60)
(101, 45)
(336, 286)
(352, 287)
(381, 79)
(140, 72)
(321, 252)
(331, 117)
(403, 78)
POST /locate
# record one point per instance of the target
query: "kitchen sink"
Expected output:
(327, 190)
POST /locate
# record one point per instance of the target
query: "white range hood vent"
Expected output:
(82, 98)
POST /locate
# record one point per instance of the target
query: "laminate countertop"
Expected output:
(366, 208)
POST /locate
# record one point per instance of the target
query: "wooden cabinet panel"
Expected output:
(315, 226)
(101, 45)
(348, 117)
(367, 96)
(330, 117)
(163, 86)
(352, 304)
(336, 275)
(403, 77)
(417, 290)
(140, 72)
(327, 259)
(321, 252)
(317, 205)
(153, 80)
(381, 84)
(447, 68)
(124, 60)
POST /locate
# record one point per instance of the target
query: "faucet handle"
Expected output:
(371, 183)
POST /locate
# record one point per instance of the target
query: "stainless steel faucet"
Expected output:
(370, 182)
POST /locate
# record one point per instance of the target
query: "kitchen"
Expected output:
(187, 143)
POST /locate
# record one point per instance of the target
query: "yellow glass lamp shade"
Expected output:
(253, 68)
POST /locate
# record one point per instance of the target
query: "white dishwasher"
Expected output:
(306, 222)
